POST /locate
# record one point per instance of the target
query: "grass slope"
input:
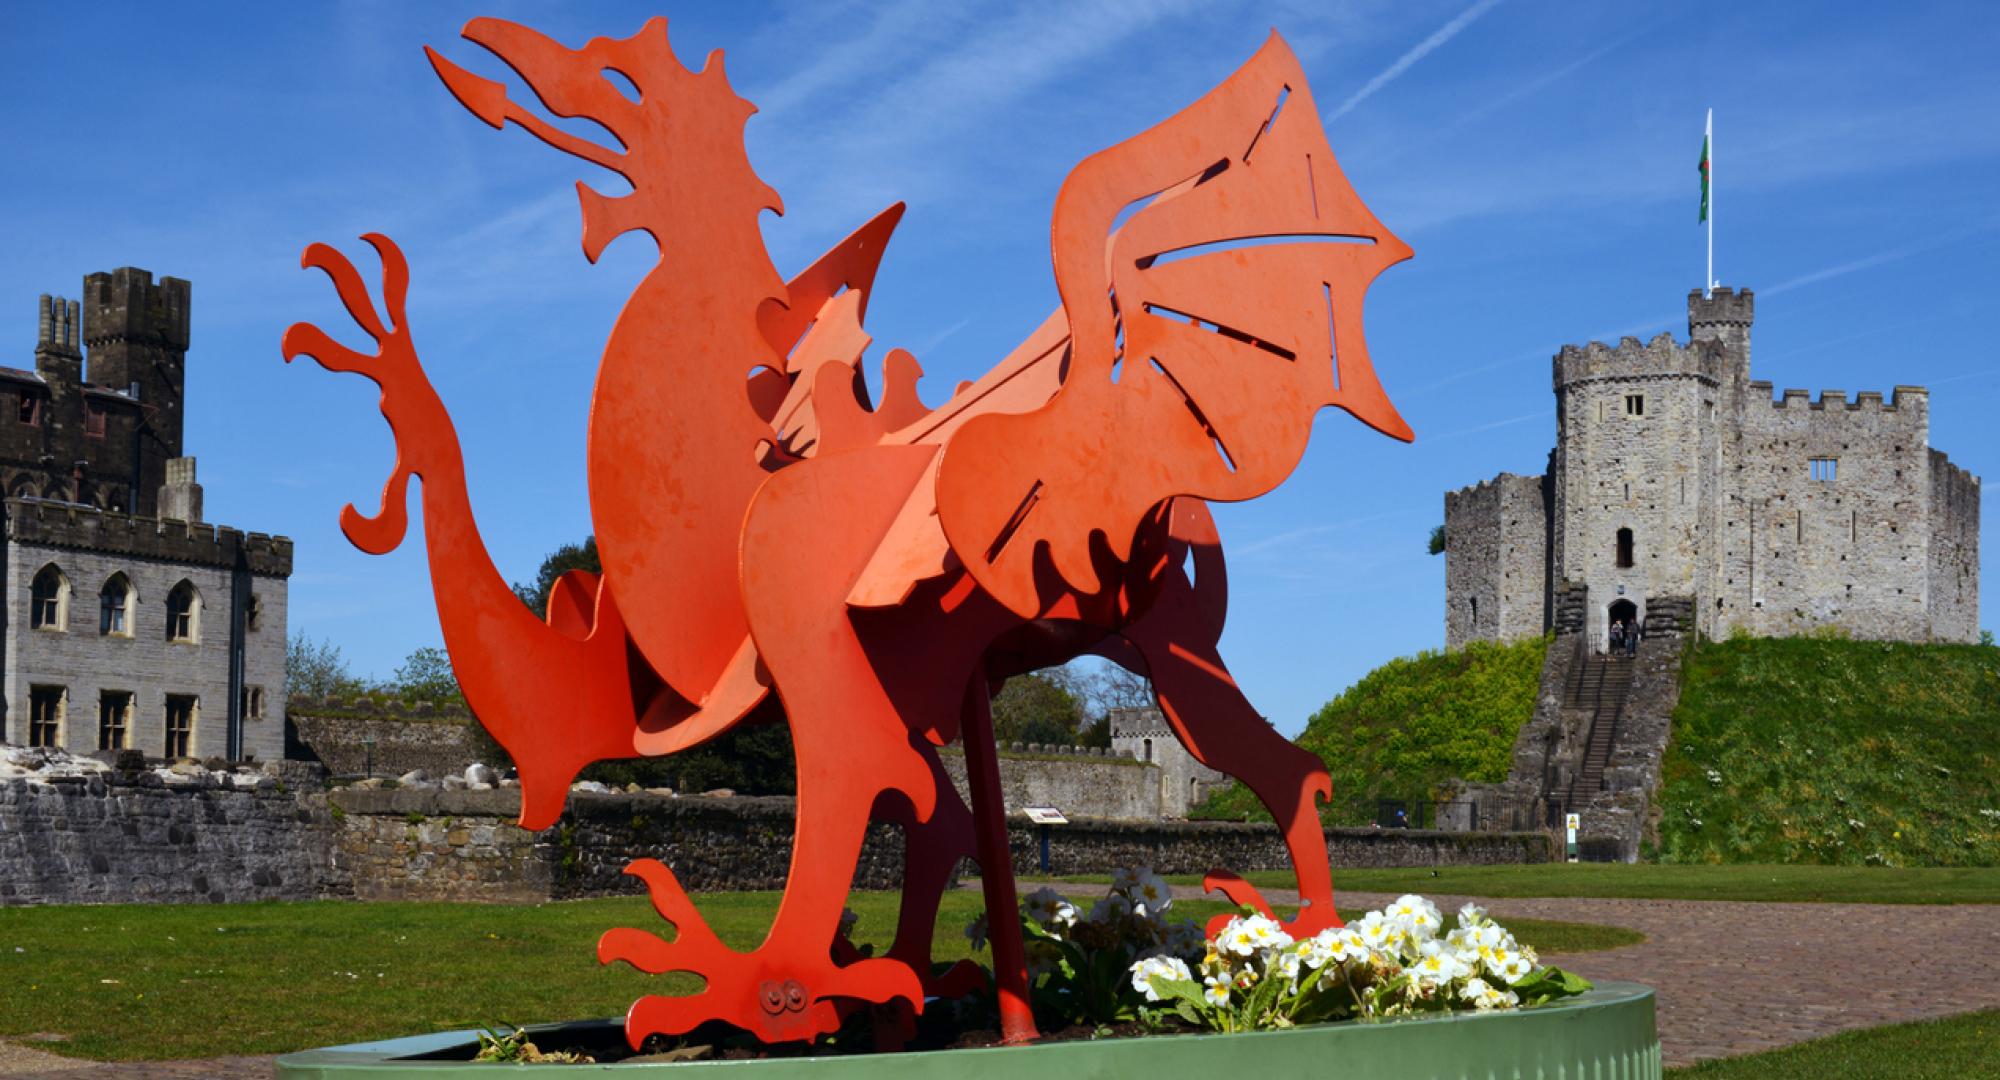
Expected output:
(1791, 884)
(1412, 724)
(1809, 750)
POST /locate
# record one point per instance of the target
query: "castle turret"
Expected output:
(137, 332)
(57, 357)
(1724, 316)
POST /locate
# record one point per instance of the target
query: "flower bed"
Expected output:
(1128, 968)
(1607, 1031)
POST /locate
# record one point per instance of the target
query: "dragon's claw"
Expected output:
(1315, 913)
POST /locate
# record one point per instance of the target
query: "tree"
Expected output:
(426, 675)
(564, 559)
(1437, 540)
(1036, 708)
(315, 669)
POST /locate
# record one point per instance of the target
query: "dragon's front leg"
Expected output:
(555, 700)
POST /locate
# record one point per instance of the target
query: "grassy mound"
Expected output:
(1807, 750)
(1412, 724)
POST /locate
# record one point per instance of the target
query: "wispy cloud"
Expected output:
(1292, 536)
(1422, 49)
(1894, 254)
(1541, 414)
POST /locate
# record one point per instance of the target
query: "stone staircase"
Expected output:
(1601, 685)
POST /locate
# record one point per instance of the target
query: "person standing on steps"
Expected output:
(1617, 635)
(1632, 634)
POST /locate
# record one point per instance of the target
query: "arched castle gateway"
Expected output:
(1683, 489)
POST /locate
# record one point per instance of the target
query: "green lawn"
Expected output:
(1840, 884)
(176, 981)
(1959, 1047)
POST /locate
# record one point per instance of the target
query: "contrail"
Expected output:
(1439, 37)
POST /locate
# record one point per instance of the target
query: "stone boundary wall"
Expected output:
(1101, 785)
(463, 845)
(437, 741)
(135, 838)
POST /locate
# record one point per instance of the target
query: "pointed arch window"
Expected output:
(48, 600)
(1624, 549)
(116, 605)
(184, 613)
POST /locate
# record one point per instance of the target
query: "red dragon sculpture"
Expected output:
(775, 550)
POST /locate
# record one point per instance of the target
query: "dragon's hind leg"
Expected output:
(1176, 641)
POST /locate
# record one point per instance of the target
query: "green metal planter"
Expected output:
(1606, 1034)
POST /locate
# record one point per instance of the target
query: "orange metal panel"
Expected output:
(763, 526)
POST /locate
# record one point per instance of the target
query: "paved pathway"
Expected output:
(1733, 978)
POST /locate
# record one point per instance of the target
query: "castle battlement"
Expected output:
(1867, 400)
(1487, 487)
(74, 525)
(1633, 359)
(126, 304)
(1727, 307)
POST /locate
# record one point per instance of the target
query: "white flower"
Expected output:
(1123, 878)
(1509, 965)
(1436, 965)
(1114, 906)
(1419, 916)
(1215, 990)
(1161, 968)
(1237, 937)
(1265, 933)
(1151, 891)
(1471, 914)
(1049, 908)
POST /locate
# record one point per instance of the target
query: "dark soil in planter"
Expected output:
(945, 1025)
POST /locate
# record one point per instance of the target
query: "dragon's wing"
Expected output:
(1205, 333)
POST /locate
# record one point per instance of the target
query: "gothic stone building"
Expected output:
(129, 623)
(1144, 735)
(1676, 481)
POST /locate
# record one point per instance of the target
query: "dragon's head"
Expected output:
(1212, 271)
(679, 132)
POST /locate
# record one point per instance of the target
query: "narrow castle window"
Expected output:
(1635, 404)
(181, 710)
(48, 601)
(1148, 756)
(45, 715)
(1624, 549)
(1825, 468)
(253, 614)
(183, 614)
(252, 703)
(114, 607)
(1475, 610)
(114, 719)
(93, 420)
(31, 410)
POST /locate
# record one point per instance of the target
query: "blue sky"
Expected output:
(1539, 157)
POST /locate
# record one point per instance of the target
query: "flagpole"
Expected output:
(1708, 136)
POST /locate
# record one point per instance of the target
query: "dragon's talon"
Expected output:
(1315, 913)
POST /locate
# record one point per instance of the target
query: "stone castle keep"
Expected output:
(129, 623)
(1679, 486)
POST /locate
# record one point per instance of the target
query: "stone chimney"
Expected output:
(180, 496)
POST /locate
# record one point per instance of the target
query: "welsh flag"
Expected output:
(1703, 166)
